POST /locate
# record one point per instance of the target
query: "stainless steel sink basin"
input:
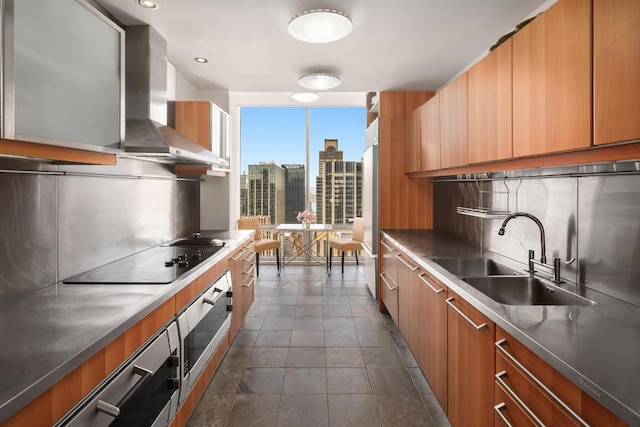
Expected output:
(474, 267)
(523, 290)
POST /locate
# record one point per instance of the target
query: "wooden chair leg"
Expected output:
(342, 262)
(257, 264)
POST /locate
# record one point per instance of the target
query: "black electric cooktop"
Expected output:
(156, 266)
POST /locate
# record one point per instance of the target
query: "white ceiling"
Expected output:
(394, 45)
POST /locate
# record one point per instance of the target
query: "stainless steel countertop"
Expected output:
(597, 347)
(46, 334)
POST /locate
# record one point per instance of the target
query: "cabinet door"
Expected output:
(471, 365)
(408, 297)
(248, 272)
(616, 67)
(430, 134)
(389, 295)
(490, 128)
(552, 81)
(193, 120)
(453, 123)
(237, 286)
(412, 142)
(432, 336)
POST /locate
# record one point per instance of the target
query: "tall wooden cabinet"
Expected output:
(453, 123)
(552, 81)
(489, 98)
(616, 67)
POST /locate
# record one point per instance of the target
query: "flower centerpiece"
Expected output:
(306, 217)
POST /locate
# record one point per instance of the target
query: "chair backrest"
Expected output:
(358, 230)
(250, 224)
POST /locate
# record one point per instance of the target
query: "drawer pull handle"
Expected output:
(114, 410)
(533, 378)
(401, 258)
(237, 257)
(478, 327)
(248, 285)
(387, 283)
(498, 408)
(437, 291)
(387, 246)
(517, 398)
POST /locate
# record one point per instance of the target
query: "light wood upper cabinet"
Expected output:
(552, 81)
(453, 123)
(616, 70)
(489, 91)
(412, 142)
(430, 134)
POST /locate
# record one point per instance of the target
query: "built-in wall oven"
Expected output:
(203, 326)
(144, 392)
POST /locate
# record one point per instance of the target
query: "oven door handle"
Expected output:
(114, 410)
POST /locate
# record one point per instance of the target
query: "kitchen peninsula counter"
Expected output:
(595, 346)
(48, 333)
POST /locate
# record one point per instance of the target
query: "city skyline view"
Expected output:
(279, 134)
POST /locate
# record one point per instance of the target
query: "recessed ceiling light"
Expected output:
(320, 25)
(201, 60)
(319, 81)
(305, 96)
(148, 4)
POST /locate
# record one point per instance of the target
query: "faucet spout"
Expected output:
(543, 257)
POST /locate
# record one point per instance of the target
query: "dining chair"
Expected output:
(352, 244)
(261, 244)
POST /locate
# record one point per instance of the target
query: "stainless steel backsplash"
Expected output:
(592, 219)
(67, 219)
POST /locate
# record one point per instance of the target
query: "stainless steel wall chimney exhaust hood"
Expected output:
(146, 133)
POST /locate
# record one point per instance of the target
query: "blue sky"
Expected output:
(279, 134)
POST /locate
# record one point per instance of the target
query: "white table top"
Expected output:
(299, 227)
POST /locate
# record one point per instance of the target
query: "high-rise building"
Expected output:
(244, 194)
(265, 195)
(338, 187)
(294, 191)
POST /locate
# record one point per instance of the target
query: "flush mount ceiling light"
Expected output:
(320, 25)
(319, 81)
(148, 4)
(305, 96)
(201, 60)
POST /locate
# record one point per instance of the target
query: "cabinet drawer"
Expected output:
(389, 260)
(508, 413)
(389, 295)
(539, 405)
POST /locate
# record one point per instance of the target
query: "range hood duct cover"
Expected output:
(146, 104)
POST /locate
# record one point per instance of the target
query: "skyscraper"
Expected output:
(338, 187)
(294, 191)
(244, 194)
(265, 196)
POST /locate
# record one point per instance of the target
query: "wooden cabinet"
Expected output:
(552, 81)
(471, 337)
(408, 301)
(549, 395)
(430, 134)
(389, 279)
(616, 67)
(453, 123)
(489, 92)
(412, 153)
(400, 196)
(432, 334)
(242, 268)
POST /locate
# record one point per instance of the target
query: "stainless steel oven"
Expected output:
(142, 393)
(203, 325)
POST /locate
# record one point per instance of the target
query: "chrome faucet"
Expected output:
(543, 248)
(543, 258)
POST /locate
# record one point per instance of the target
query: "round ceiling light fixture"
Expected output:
(200, 60)
(305, 96)
(148, 4)
(320, 25)
(319, 81)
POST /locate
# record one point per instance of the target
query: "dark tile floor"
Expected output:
(315, 351)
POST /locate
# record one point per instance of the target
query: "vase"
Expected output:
(306, 223)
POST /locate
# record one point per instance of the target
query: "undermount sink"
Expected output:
(474, 267)
(524, 290)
